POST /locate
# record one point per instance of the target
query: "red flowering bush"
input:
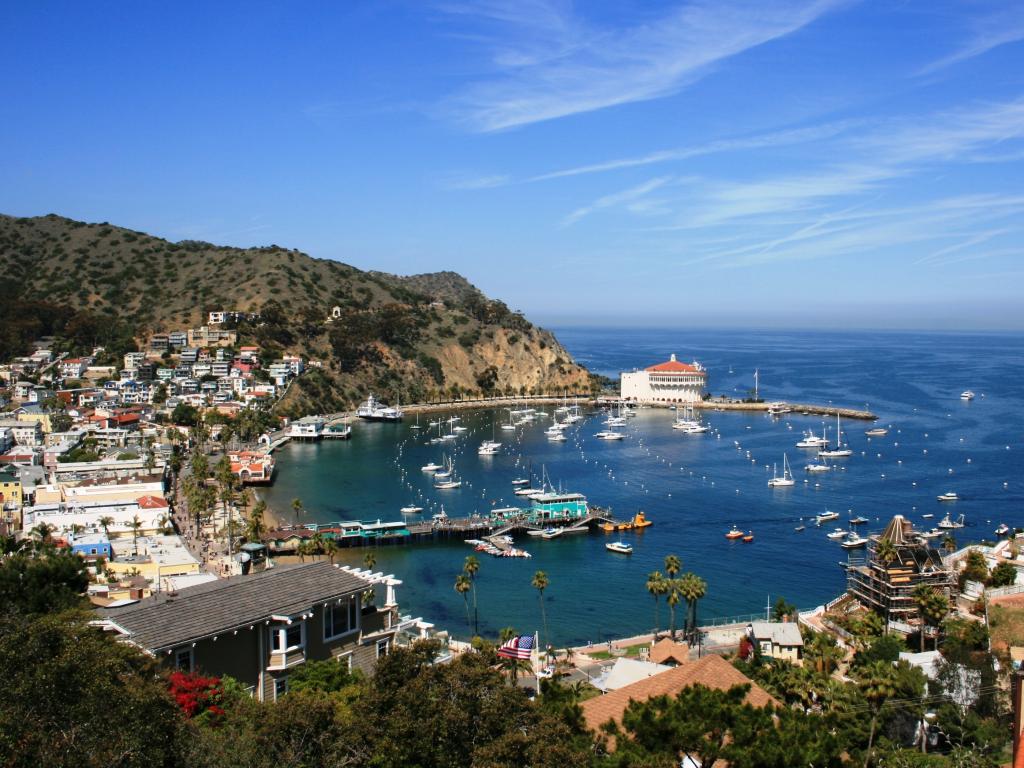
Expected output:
(196, 694)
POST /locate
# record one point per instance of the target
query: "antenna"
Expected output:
(768, 608)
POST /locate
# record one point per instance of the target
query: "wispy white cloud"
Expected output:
(460, 182)
(631, 196)
(569, 66)
(987, 32)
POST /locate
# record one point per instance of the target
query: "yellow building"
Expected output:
(159, 557)
(11, 496)
(42, 418)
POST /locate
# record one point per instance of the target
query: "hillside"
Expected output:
(411, 337)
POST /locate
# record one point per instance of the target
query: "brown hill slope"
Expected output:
(411, 337)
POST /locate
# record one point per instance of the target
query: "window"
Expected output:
(346, 661)
(382, 647)
(183, 660)
(340, 619)
(288, 638)
(280, 687)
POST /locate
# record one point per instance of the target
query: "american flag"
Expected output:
(517, 648)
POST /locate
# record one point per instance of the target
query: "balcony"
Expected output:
(286, 659)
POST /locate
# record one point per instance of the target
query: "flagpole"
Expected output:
(536, 647)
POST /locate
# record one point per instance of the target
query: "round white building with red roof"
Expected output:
(668, 382)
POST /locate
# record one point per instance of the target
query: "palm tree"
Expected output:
(330, 548)
(692, 588)
(877, 685)
(105, 522)
(136, 526)
(885, 552)
(369, 560)
(673, 601)
(462, 586)
(656, 586)
(318, 544)
(673, 565)
(297, 509)
(825, 652)
(949, 543)
(540, 583)
(254, 531)
(471, 568)
(932, 608)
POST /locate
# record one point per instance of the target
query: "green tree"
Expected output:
(471, 567)
(877, 684)
(1003, 575)
(673, 565)
(656, 586)
(297, 509)
(136, 526)
(783, 609)
(540, 582)
(692, 588)
(105, 522)
(44, 581)
(256, 528)
(463, 585)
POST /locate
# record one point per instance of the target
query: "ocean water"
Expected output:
(695, 487)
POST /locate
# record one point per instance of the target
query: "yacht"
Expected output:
(859, 520)
(609, 435)
(412, 509)
(967, 395)
(372, 410)
(948, 496)
(948, 524)
(557, 437)
(734, 533)
(853, 540)
(876, 432)
(431, 467)
(841, 450)
(527, 491)
(488, 451)
(521, 481)
(811, 440)
(787, 477)
(934, 533)
(838, 533)
(1002, 530)
(825, 516)
(619, 546)
(818, 467)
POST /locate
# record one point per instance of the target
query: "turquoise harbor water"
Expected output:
(694, 487)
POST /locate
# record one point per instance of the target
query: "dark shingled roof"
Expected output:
(165, 621)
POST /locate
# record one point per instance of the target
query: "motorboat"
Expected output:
(928, 516)
(948, 524)
(948, 496)
(876, 432)
(620, 547)
(734, 533)
(838, 533)
(825, 516)
(749, 537)
(482, 451)
(853, 540)
(811, 440)
(521, 481)
(967, 395)
(442, 515)
(787, 477)
(448, 485)
(800, 528)
(529, 493)
(558, 437)
(859, 520)
(1002, 530)
(372, 410)
(818, 468)
(411, 510)
(639, 521)
(609, 435)
(934, 533)
(431, 467)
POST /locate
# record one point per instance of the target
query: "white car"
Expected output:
(546, 673)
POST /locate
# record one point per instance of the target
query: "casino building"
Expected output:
(669, 382)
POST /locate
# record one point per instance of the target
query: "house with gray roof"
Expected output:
(257, 628)
(778, 640)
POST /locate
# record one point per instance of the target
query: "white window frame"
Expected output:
(279, 637)
(353, 613)
(191, 660)
(280, 681)
(346, 659)
(386, 642)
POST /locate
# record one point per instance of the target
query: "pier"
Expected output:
(799, 409)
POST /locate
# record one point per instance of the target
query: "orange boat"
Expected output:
(749, 537)
(639, 521)
(735, 533)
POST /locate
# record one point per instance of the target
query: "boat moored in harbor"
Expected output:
(620, 547)
(372, 410)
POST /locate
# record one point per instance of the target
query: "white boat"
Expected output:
(488, 451)
(448, 485)
(934, 533)
(521, 481)
(967, 395)
(558, 437)
(528, 492)
(818, 467)
(787, 477)
(928, 516)
(825, 516)
(838, 533)
(1002, 530)
(609, 435)
(811, 440)
(859, 520)
(619, 546)
(442, 515)
(876, 432)
(372, 410)
(948, 496)
(460, 429)
(431, 467)
(948, 524)
(853, 541)
(841, 450)
(412, 509)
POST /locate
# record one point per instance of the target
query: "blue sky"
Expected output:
(822, 163)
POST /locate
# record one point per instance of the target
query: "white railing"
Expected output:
(1013, 589)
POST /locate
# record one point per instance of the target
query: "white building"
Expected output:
(670, 382)
(307, 428)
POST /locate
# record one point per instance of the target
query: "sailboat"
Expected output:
(449, 480)
(511, 425)
(787, 477)
(841, 450)
(417, 426)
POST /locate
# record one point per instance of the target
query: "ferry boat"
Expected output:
(967, 395)
(619, 546)
(372, 410)
(787, 477)
(412, 509)
(734, 533)
(948, 496)
(825, 516)
(638, 521)
(876, 432)
(948, 524)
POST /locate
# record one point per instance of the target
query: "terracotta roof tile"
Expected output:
(711, 671)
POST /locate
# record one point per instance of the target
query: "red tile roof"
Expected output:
(152, 502)
(674, 366)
